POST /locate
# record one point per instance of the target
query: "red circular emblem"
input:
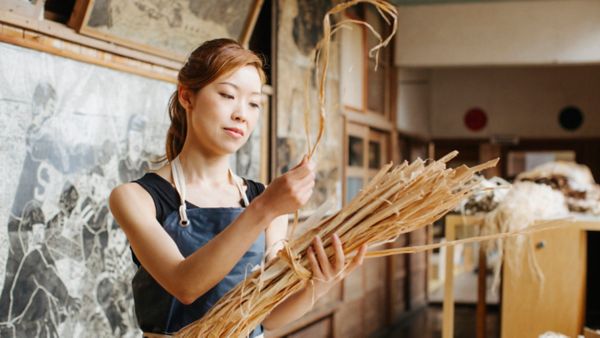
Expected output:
(475, 119)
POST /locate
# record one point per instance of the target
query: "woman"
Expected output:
(195, 228)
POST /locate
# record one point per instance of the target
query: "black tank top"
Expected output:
(166, 199)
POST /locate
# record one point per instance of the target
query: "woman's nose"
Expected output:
(240, 113)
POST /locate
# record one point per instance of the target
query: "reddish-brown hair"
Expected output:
(210, 61)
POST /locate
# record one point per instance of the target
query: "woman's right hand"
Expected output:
(290, 191)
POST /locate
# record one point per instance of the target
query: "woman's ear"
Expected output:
(184, 96)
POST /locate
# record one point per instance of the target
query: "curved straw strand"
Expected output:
(321, 56)
(323, 50)
(559, 223)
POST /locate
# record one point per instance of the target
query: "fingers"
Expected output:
(302, 181)
(300, 172)
(312, 165)
(292, 190)
(305, 196)
(322, 258)
(362, 252)
(314, 265)
(308, 179)
(303, 169)
(357, 260)
(326, 273)
(340, 258)
(302, 162)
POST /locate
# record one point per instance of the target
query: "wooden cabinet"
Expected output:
(530, 308)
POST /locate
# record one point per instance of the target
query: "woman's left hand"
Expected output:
(327, 273)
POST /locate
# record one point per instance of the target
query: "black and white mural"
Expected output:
(70, 132)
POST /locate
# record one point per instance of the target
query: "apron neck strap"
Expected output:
(180, 186)
(239, 187)
(179, 179)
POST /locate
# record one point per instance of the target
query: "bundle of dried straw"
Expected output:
(396, 201)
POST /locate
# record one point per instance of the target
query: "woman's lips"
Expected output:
(234, 132)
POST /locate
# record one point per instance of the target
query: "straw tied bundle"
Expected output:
(397, 200)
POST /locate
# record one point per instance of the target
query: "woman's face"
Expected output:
(223, 114)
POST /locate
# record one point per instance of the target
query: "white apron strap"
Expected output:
(179, 179)
(240, 189)
(180, 186)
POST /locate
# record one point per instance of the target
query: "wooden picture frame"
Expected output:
(171, 32)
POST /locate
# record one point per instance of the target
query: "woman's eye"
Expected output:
(227, 96)
(255, 105)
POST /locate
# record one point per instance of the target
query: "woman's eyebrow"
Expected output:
(236, 86)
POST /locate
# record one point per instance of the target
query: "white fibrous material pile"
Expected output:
(575, 181)
(551, 334)
(525, 204)
(492, 192)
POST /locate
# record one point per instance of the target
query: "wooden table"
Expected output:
(580, 222)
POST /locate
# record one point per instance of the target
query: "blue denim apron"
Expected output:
(159, 312)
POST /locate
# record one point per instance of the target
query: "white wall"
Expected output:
(352, 66)
(413, 102)
(522, 101)
(499, 33)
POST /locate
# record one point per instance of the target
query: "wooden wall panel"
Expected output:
(353, 285)
(333, 296)
(397, 299)
(375, 310)
(418, 270)
(375, 273)
(375, 302)
(397, 282)
(418, 290)
(322, 328)
(349, 320)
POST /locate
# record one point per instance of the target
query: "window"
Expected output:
(365, 89)
(367, 152)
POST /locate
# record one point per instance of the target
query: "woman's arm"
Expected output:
(189, 278)
(275, 235)
(184, 278)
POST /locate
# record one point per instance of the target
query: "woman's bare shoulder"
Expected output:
(128, 197)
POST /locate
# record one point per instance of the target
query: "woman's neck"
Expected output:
(199, 167)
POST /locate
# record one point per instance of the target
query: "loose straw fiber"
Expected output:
(397, 200)
(321, 54)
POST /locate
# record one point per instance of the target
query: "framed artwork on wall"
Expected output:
(170, 29)
(70, 136)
